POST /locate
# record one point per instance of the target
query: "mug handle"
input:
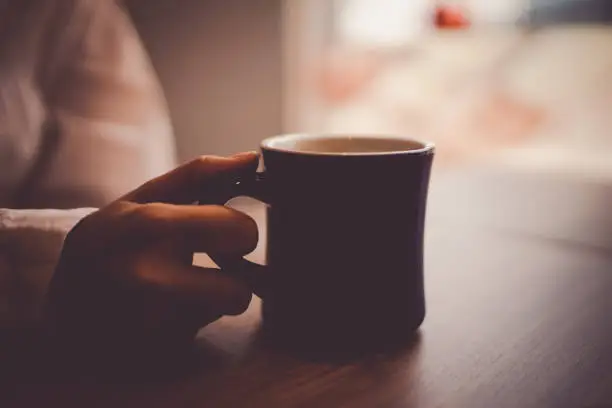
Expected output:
(219, 193)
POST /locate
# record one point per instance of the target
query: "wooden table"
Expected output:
(519, 293)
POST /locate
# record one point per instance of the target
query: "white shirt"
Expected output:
(31, 242)
(83, 118)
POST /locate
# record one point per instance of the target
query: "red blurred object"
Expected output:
(449, 17)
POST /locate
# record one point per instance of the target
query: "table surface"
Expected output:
(519, 296)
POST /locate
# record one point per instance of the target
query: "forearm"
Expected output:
(30, 245)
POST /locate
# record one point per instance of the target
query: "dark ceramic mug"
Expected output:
(345, 238)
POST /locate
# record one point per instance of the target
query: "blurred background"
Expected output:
(517, 94)
(220, 63)
(515, 82)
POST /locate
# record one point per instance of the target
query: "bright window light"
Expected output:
(382, 22)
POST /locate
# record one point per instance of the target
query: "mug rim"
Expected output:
(266, 144)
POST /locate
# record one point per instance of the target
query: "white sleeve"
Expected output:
(30, 245)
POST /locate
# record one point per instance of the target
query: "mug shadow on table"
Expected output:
(31, 375)
(303, 348)
(24, 359)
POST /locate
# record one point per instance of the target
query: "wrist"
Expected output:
(31, 242)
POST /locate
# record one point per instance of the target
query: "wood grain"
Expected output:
(514, 320)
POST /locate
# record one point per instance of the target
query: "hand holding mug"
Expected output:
(345, 226)
(125, 280)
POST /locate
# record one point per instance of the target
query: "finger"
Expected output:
(210, 229)
(254, 275)
(217, 293)
(201, 294)
(184, 184)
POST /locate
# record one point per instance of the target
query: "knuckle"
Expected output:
(206, 164)
(151, 211)
(144, 216)
(139, 271)
(202, 168)
(201, 163)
